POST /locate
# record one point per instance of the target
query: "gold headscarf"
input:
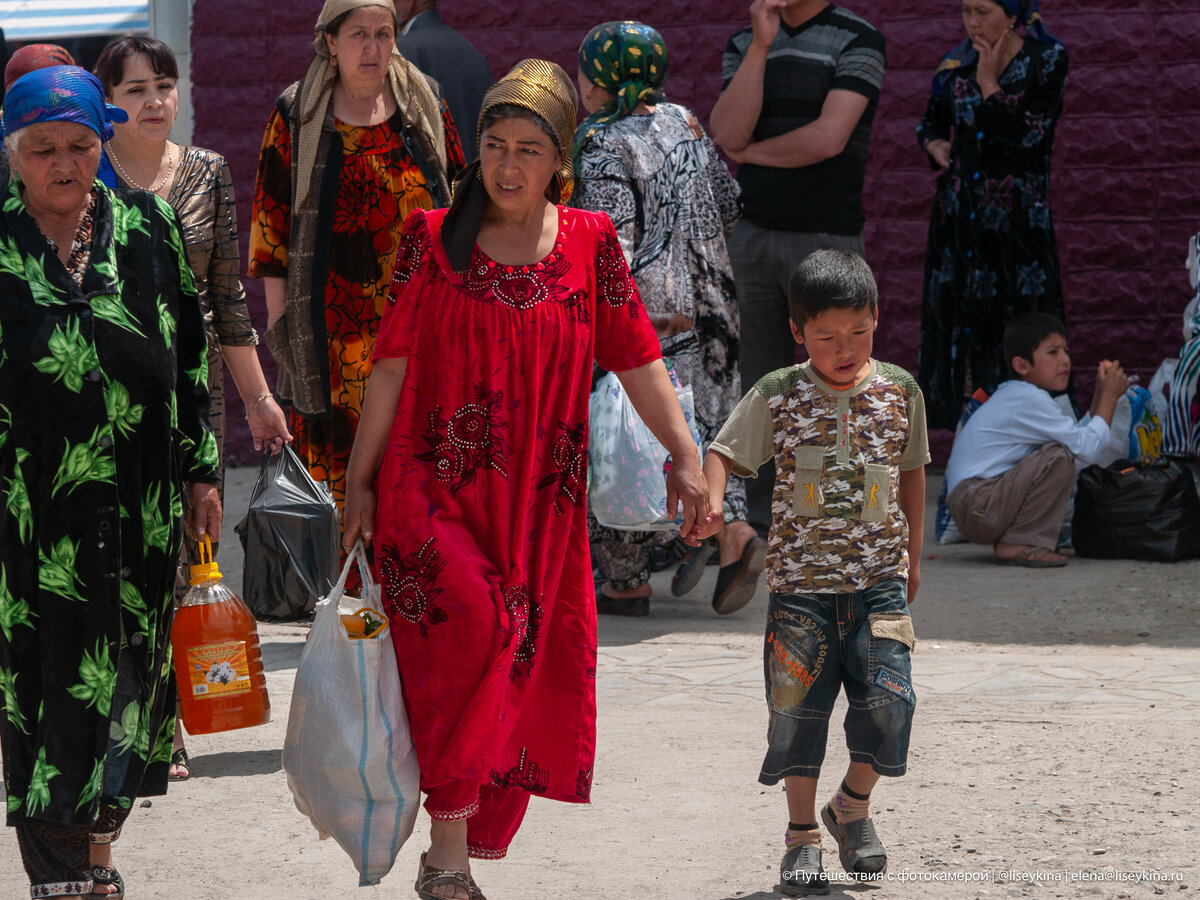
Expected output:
(544, 89)
(413, 95)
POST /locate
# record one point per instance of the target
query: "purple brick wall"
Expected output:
(1126, 186)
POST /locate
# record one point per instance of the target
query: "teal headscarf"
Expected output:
(627, 59)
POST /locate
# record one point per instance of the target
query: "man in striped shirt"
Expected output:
(800, 90)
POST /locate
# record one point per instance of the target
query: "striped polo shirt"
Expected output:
(834, 50)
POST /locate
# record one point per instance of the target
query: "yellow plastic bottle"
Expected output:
(218, 661)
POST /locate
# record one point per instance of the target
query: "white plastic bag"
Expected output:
(628, 486)
(348, 753)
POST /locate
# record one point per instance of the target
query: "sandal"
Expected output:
(859, 848)
(607, 605)
(1034, 558)
(737, 582)
(687, 576)
(179, 759)
(429, 877)
(108, 875)
(800, 872)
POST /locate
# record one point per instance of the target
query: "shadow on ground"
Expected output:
(966, 596)
(236, 764)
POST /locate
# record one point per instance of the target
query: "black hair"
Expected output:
(830, 279)
(1025, 333)
(110, 67)
(502, 111)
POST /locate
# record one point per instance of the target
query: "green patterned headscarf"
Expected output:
(627, 59)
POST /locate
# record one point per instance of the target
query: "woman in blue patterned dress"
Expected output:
(992, 253)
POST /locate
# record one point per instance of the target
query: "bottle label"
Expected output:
(218, 670)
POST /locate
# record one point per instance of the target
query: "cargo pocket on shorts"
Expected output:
(876, 484)
(807, 499)
(893, 626)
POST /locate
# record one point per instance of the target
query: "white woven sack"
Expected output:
(348, 753)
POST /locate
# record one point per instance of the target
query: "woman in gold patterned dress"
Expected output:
(350, 150)
(140, 75)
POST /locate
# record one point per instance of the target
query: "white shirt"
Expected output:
(1014, 422)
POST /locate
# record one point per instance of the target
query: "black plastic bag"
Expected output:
(1130, 511)
(291, 536)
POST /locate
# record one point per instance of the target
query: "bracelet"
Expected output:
(259, 402)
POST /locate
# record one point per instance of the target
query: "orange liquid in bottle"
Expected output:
(218, 661)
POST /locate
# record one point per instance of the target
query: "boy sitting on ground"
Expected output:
(1013, 466)
(847, 434)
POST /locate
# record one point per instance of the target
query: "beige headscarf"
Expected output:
(414, 97)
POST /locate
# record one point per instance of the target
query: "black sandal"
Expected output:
(737, 582)
(108, 875)
(180, 758)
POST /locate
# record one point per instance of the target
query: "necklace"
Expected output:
(153, 190)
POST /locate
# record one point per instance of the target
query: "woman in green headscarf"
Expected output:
(650, 166)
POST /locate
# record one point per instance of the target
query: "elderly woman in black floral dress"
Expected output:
(103, 421)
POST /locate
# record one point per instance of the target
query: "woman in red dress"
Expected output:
(473, 443)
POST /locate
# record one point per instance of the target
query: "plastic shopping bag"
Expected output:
(290, 535)
(628, 486)
(348, 753)
(1130, 511)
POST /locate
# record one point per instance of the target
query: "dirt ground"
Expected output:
(1053, 755)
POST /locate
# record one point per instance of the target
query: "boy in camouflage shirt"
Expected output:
(847, 434)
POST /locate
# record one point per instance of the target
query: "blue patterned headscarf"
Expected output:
(627, 59)
(965, 53)
(59, 94)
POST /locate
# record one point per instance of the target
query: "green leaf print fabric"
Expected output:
(103, 417)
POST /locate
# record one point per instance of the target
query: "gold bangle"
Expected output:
(259, 402)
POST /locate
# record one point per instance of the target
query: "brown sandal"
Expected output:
(429, 877)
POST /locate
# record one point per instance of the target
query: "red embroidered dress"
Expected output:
(481, 538)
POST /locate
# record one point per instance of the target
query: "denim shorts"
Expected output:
(816, 643)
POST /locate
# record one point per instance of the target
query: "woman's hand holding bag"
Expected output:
(348, 753)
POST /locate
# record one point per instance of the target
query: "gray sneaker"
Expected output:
(859, 848)
(801, 874)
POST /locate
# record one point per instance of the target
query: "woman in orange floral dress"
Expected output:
(350, 150)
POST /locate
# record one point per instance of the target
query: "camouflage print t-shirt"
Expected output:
(837, 524)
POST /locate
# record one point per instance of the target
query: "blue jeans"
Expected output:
(817, 643)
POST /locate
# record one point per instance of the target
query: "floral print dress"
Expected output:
(103, 415)
(481, 535)
(379, 185)
(992, 252)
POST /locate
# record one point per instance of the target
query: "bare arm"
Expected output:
(717, 469)
(276, 293)
(1111, 384)
(370, 440)
(736, 112)
(652, 395)
(815, 142)
(268, 424)
(912, 504)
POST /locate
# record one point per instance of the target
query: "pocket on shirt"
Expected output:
(876, 485)
(807, 499)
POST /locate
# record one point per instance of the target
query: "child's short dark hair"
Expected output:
(1025, 333)
(830, 279)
